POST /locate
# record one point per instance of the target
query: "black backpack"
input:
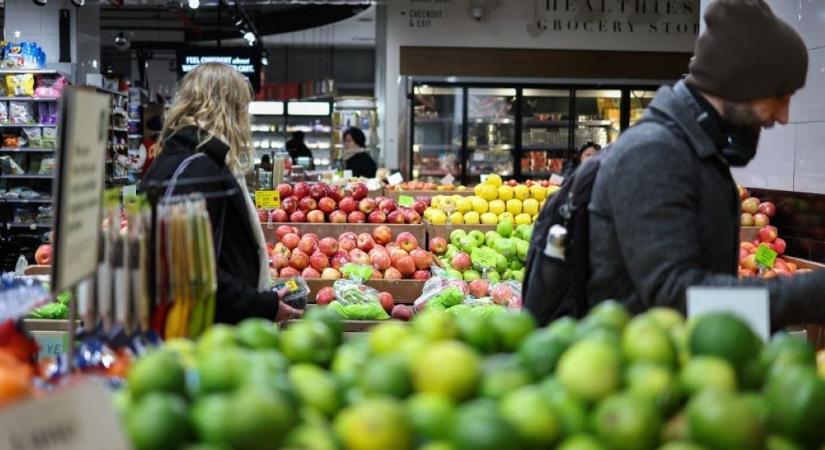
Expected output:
(555, 281)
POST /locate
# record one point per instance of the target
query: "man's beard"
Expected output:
(742, 115)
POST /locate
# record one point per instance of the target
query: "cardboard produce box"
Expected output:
(323, 230)
(403, 291)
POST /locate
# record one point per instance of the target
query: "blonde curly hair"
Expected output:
(215, 98)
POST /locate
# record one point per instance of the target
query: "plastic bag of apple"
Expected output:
(320, 203)
(768, 237)
(391, 257)
(755, 213)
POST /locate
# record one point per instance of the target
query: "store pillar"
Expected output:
(42, 24)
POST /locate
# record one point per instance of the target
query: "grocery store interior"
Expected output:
(412, 224)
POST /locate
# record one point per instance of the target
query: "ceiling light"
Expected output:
(265, 60)
(40, 2)
(78, 3)
(194, 4)
(250, 37)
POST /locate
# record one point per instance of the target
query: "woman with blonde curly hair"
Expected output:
(206, 147)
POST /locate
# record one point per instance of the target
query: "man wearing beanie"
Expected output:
(664, 211)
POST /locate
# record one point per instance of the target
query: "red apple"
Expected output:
(280, 248)
(315, 216)
(348, 244)
(749, 246)
(423, 259)
(328, 246)
(285, 190)
(278, 215)
(299, 260)
(746, 219)
(750, 205)
(298, 216)
(263, 216)
(479, 288)
(406, 265)
(312, 236)
(792, 267)
(749, 262)
(438, 245)
(307, 204)
(289, 272)
(317, 191)
(290, 240)
(770, 273)
(396, 254)
(366, 205)
(348, 235)
(406, 241)
(335, 193)
(43, 255)
(781, 264)
(420, 206)
(380, 260)
(283, 230)
(290, 205)
(300, 190)
(767, 234)
(392, 274)
(779, 246)
(382, 234)
(279, 261)
(760, 220)
(387, 302)
(339, 259)
(330, 274)
(337, 216)
(402, 312)
(767, 208)
(745, 273)
(743, 253)
(395, 217)
(309, 274)
(356, 217)
(461, 261)
(359, 191)
(358, 256)
(347, 205)
(376, 275)
(319, 261)
(324, 296)
(387, 205)
(411, 217)
(365, 242)
(327, 205)
(307, 245)
(421, 275)
(377, 217)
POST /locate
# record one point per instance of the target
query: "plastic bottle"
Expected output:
(21, 265)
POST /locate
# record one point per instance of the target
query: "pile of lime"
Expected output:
(444, 382)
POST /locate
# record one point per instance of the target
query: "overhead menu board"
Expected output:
(245, 60)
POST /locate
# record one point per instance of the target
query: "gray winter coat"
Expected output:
(664, 216)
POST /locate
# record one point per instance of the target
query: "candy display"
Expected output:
(23, 55)
(19, 85)
(21, 112)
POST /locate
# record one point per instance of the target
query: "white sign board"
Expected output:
(78, 417)
(395, 179)
(750, 304)
(83, 131)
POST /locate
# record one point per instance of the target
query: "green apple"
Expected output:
(518, 275)
(471, 274)
(505, 228)
(452, 273)
(524, 232)
(467, 244)
(457, 235)
(491, 237)
(477, 236)
(501, 263)
(493, 277)
(507, 275)
(452, 249)
(522, 247)
(506, 247)
(516, 264)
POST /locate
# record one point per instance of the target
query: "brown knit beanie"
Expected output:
(747, 53)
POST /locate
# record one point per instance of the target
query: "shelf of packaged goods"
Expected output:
(29, 99)
(595, 123)
(26, 177)
(135, 136)
(27, 125)
(28, 225)
(27, 201)
(31, 71)
(484, 120)
(26, 150)
(546, 123)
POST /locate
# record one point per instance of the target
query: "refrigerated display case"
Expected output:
(491, 122)
(315, 120)
(545, 131)
(437, 131)
(268, 127)
(597, 116)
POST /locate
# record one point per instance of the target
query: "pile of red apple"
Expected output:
(768, 236)
(310, 257)
(320, 202)
(755, 213)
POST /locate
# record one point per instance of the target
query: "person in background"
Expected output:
(207, 137)
(297, 148)
(586, 151)
(358, 160)
(266, 163)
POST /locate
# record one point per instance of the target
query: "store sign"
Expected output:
(630, 25)
(749, 304)
(245, 60)
(81, 160)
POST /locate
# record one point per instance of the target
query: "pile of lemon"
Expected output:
(493, 201)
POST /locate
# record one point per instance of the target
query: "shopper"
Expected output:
(209, 118)
(297, 148)
(586, 151)
(358, 160)
(664, 212)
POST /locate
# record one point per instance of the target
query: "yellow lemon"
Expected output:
(488, 192)
(472, 218)
(530, 206)
(523, 219)
(456, 218)
(447, 204)
(463, 205)
(497, 207)
(489, 218)
(477, 189)
(505, 192)
(514, 207)
(438, 217)
(538, 192)
(479, 205)
(427, 213)
(493, 179)
(521, 192)
(456, 198)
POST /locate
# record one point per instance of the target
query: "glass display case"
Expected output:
(639, 100)
(268, 127)
(597, 116)
(315, 120)
(437, 131)
(545, 131)
(491, 123)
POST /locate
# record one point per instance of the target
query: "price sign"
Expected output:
(267, 199)
(406, 200)
(556, 180)
(484, 178)
(750, 304)
(52, 343)
(448, 179)
(765, 256)
(395, 179)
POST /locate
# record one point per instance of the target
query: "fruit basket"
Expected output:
(323, 230)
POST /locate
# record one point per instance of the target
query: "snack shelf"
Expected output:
(29, 99)
(27, 125)
(29, 225)
(26, 177)
(26, 150)
(27, 201)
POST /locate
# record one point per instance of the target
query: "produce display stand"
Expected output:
(445, 230)
(335, 229)
(403, 291)
(394, 194)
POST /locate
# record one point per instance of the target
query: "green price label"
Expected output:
(765, 256)
(406, 200)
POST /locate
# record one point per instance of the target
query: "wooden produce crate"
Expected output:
(393, 194)
(419, 231)
(403, 291)
(445, 230)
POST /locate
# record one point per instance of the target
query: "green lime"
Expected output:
(386, 337)
(540, 352)
(704, 372)
(627, 422)
(644, 340)
(349, 360)
(431, 415)
(784, 350)
(435, 325)
(681, 445)
(375, 424)
(776, 442)
(215, 337)
(502, 374)
(512, 327)
(532, 415)
(725, 336)
(308, 341)
(158, 422)
(476, 331)
(315, 388)
(796, 401)
(158, 371)
(610, 313)
(222, 370)
(571, 413)
(209, 416)
(386, 375)
(654, 383)
(260, 419)
(479, 426)
(311, 437)
(581, 442)
(447, 368)
(328, 317)
(590, 370)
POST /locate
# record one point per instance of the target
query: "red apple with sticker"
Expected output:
(283, 230)
(263, 216)
(411, 217)
(43, 255)
(749, 262)
(396, 254)
(334, 192)
(330, 274)
(279, 261)
(420, 206)
(461, 261)
(328, 246)
(317, 192)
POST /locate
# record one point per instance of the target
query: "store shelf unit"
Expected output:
(118, 136)
(273, 122)
(516, 130)
(360, 112)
